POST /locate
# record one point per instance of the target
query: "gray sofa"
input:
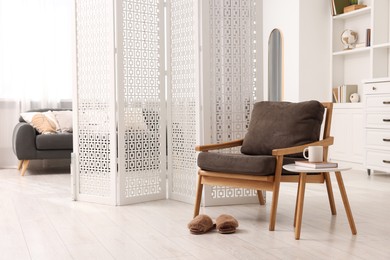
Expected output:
(28, 144)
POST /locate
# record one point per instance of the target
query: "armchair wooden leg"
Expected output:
(301, 197)
(198, 196)
(330, 193)
(24, 167)
(274, 206)
(261, 197)
(346, 203)
(20, 164)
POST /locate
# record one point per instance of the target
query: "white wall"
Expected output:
(283, 15)
(315, 49)
(305, 26)
(9, 114)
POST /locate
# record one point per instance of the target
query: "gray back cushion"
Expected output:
(282, 124)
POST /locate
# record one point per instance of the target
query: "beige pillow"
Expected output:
(43, 124)
(50, 116)
(65, 120)
(27, 116)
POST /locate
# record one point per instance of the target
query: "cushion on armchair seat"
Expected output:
(261, 165)
(237, 163)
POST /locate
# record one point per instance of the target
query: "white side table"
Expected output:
(301, 194)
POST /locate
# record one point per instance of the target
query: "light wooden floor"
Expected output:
(38, 220)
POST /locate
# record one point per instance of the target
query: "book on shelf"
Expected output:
(332, 7)
(351, 8)
(338, 6)
(335, 95)
(316, 165)
(341, 94)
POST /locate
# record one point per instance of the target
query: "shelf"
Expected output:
(358, 105)
(376, 80)
(362, 11)
(353, 51)
(383, 45)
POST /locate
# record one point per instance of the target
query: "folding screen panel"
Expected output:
(184, 125)
(212, 81)
(231, 48)
(94, 104)
(141, 101)
(120, 147)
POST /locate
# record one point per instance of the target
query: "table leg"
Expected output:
(299, 206)
(346, 202)
(330, 193)
(296, 204)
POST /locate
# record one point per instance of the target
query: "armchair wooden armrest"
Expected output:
(207, 147)
(298, 149)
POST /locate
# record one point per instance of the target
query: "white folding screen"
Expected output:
(120, 154)
(119, 147)
(212, 81)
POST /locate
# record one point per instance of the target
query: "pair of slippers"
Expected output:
(201, 224)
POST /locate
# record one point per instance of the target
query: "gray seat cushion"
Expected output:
(261, 165)
(282, 124)
(59, 141)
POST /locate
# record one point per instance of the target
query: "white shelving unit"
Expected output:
(353, 67)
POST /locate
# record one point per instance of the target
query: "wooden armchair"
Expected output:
(277, 134)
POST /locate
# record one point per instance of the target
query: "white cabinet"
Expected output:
(377, 124)
(347, 128)
(371, 60)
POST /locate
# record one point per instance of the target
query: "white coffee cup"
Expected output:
(315, 153)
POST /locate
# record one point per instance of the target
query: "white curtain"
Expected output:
(35, 51)
(35, 61)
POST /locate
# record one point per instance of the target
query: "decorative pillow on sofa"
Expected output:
(44, 123)
(282, 124)
(65, 120)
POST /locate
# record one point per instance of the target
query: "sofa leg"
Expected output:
(24, 167)
(20, 164)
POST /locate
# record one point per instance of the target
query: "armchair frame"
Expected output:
(267, 183)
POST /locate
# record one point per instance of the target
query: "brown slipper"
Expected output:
(201, 224)
(226, 224)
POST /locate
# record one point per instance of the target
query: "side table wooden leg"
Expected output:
(330, 193)
(296, 204)
(346, 202)
(301, 196)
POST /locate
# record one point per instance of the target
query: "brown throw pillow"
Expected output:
(282, 124)
(42, 124)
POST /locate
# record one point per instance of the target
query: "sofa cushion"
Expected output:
(282, 124)
(58, 141)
